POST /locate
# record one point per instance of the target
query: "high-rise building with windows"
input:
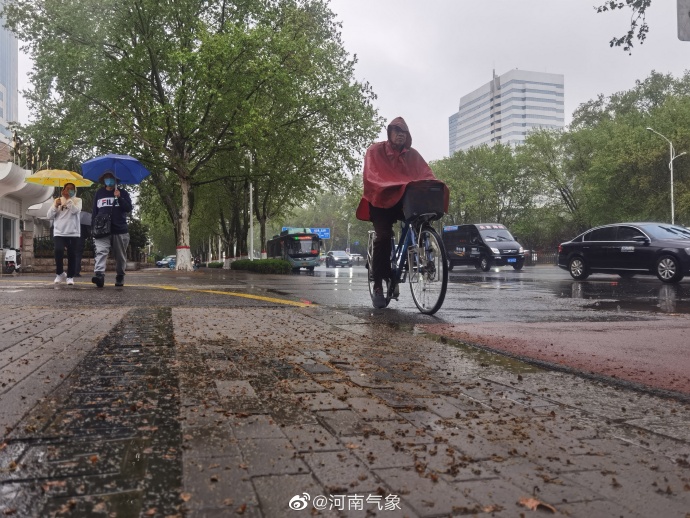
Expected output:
(9, 78)
(506, 109)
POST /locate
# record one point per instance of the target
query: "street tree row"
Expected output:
(209, 95)
(606, 167)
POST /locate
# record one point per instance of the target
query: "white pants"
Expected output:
(119, 243)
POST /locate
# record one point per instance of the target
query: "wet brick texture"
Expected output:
(289, 402)
(107, 442)
(204, 413)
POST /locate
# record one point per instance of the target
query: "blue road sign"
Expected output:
(324, 233)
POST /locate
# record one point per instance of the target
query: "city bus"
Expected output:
(299, 246)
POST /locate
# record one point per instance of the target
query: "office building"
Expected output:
(506, 109)
(16, 195)
(9, 78)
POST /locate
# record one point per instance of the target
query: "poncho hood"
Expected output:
(388, 171)
(399, 122)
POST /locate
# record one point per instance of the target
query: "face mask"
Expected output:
(110, 182)
(72, 193)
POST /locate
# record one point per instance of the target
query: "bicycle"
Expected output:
(419, 256)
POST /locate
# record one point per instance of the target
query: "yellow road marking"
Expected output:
(215, 292)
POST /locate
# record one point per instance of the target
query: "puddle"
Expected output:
(629, 296)
(485, 357)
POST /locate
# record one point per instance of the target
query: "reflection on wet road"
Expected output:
(533, 294)
(632, 295)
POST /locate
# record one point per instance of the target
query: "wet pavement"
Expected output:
(208, 395)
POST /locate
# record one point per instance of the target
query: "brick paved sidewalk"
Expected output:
(239, 412)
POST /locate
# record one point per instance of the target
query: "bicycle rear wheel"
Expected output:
(428, 271)
(370, 269)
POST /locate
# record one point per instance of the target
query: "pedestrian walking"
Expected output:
(84, 234)
(64, 213)
(112, 203)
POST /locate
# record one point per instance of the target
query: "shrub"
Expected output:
(215, 264)
(262, 265)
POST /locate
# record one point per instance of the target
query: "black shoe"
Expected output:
(119, 280)
(378, 299)
(98, 279)
(77, 275)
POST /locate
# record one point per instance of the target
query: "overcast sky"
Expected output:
(421, 56)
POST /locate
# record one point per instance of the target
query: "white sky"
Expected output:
(421, 56)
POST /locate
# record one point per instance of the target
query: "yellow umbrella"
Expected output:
(58, 178)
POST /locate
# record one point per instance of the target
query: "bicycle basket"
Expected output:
(424, 197)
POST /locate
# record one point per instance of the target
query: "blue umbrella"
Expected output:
(127, 169)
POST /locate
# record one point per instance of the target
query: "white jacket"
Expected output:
(66, 218)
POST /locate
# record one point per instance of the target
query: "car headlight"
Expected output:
(687, 251)
(521, 251)
(496, 251)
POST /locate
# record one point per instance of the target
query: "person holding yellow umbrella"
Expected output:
(64, 213)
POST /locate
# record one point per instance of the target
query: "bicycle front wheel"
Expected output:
(428, 271)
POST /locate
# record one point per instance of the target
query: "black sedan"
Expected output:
(628, 249)
(336, 258)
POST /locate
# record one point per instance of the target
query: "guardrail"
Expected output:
(535, 257)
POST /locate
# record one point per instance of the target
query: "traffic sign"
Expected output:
(324, 233)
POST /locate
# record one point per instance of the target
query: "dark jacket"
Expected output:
(103, 202)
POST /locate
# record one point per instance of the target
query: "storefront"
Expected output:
(16, 196)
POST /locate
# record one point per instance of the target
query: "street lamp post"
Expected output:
(673, 156)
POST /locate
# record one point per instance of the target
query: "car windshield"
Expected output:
(340, 254)
(667, 231)
(496, 235)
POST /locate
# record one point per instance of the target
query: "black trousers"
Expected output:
(71, 244)
(383, 220)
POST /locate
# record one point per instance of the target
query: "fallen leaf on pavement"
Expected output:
(534, 504)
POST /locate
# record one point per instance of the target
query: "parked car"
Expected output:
(628, 249)
(336, 258)
(482, 245)
(165, 262)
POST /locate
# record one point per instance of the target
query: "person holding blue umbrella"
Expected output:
(113, 201)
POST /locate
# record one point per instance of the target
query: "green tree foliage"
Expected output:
(607, 167)
(486, 185)
(191, 87)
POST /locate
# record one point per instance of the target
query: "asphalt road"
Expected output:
(635, 331)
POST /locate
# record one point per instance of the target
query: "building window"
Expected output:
(6, 232)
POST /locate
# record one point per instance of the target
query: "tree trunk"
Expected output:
(184, 254)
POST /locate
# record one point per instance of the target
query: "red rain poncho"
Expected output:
(387, 173)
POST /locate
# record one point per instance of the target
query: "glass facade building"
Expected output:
(506, 109)
(9, 78)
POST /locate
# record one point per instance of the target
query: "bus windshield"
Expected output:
(302, 245)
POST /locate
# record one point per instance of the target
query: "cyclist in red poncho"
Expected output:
(388, 167)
